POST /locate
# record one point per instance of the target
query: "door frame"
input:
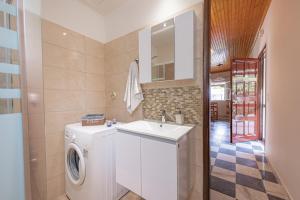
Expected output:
(206, 98)
(263, 93)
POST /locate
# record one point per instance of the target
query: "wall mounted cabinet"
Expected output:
(166, 50)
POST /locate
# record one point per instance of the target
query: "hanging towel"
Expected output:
(133, 93)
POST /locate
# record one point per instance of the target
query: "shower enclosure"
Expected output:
(12, 173)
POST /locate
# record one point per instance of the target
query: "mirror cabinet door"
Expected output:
(184, 48)
(145, 55)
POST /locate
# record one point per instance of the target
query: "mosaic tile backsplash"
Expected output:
(187, 99)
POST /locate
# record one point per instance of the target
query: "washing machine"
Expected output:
(90, 163)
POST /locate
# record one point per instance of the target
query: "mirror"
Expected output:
(163, 51)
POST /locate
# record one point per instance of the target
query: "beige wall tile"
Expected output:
(94, 65)
(55, 34)
(61, 100)
(117, 46)
(55, 186)
(55, 165)
(56, 140)
(57, 78)
(116, 82)
(55, 121)
(114, 101)
(54, 78)
(95, 82)
(56, 56)
(131, 41)
(94, 48)
(75, 80)
(95, 110)
(95, 100)
(122, 115)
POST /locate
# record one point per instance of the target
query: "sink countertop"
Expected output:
(168, 131)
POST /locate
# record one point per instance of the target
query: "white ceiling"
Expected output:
(103, 7)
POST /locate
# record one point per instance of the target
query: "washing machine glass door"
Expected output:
(75, 164)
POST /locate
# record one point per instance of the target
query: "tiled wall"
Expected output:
(73, 70)
(119, 53)
(186, 99)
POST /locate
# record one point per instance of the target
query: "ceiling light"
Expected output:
(64, 33)
(165, 24)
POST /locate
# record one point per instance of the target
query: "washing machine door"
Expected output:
(75, 164)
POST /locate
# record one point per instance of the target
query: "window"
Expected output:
(217, 92)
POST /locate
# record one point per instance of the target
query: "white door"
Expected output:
(159, 170)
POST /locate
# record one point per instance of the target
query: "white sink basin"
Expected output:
(156, 129)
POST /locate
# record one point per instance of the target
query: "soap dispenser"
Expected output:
(179, 117)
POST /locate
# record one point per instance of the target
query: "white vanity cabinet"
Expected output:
(152, 167)
(159, 169)
(128, 161)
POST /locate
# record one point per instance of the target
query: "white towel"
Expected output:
(133, 93)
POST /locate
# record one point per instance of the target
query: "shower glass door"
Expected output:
(11, 130)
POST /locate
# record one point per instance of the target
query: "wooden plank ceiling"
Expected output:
(234, 28)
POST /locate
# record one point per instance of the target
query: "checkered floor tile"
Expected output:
(240, 171)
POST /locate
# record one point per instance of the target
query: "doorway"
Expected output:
(236, 88)
(237, 153)
(245, 100)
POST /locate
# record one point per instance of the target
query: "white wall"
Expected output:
(136, 14)
(76, 16)
(282, 31)
(33, 6)
(131, 16)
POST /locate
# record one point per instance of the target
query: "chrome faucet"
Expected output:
(163, 116)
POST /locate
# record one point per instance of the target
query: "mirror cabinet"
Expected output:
(166, 50)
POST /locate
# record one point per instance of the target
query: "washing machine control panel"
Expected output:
(73, 138)
(70, 136)
(68, 133)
